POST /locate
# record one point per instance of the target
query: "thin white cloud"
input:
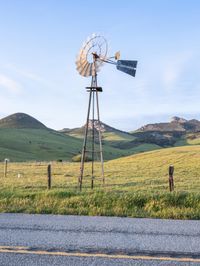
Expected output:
(26, 74)
(9, 84)
(30, 76)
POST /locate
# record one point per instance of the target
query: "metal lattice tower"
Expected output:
(90, 58)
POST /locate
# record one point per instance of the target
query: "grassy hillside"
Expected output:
(150, 170)
(108, 133)
(109, 137)
(36, 144)
(189, 139)
(26, 144)
(138, 172)
(116, 143)
(117, 136)
(24, 138)
(136, 186)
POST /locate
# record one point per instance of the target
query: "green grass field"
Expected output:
(136, 186)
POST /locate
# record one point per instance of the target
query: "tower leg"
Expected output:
(80, 180)
(100, 138)
(93, 141)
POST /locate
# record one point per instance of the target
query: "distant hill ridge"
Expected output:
(104, 128)
(21, 120)
(176, 124)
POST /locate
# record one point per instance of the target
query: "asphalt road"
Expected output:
(79, 240)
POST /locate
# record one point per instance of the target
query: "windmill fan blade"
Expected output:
(83, 70)
(81, 66)
(127, 66)
(80, 63)
(96, 44)
(87, 71)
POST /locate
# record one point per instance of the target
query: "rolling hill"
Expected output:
(21, 120)
(116, 142)
(108, 133)
(177, 132)
(23, 138)
(23, 144)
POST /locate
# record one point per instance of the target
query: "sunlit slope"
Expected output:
(108, 133)
(189, 139)
(149, 171)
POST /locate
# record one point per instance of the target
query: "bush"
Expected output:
(77, 158)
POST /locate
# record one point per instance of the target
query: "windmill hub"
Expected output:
(95, 56)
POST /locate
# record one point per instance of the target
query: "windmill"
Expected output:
(89, 61)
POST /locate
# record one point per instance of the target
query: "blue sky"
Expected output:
(39, 42)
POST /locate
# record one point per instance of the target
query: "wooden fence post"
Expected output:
(49, 176)
(171, 178)
(5, 167)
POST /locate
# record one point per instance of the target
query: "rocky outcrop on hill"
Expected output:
(176, 124)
